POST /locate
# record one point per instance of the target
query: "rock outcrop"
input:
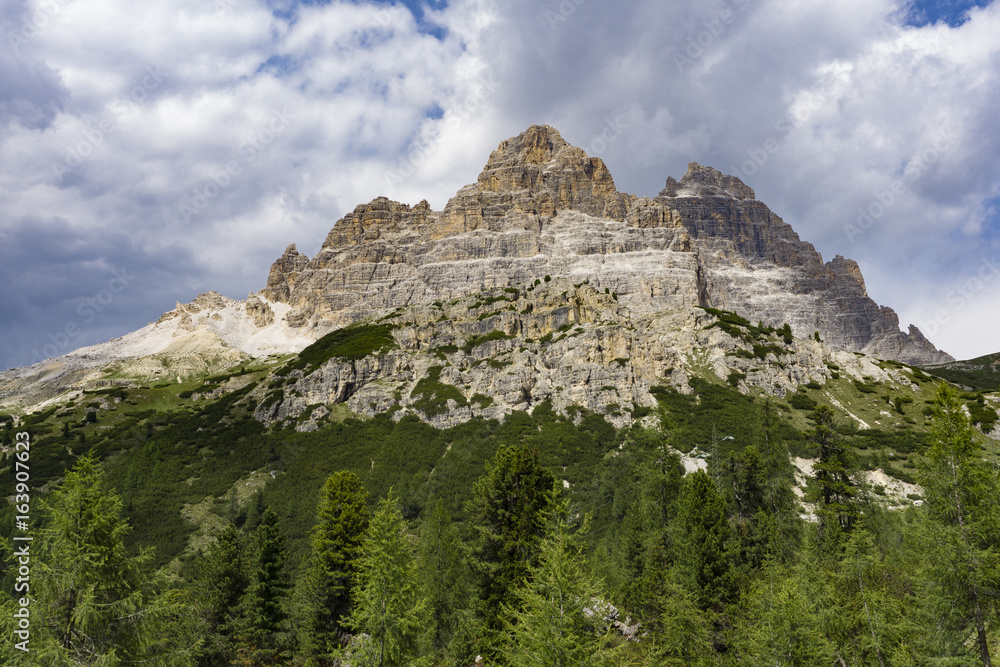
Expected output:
(569, 344)
(542, 207)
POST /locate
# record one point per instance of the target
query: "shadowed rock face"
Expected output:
(543, 207)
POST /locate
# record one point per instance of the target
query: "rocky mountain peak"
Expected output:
(283, 273)
(542, 207)
(702, 181)
(545, 170)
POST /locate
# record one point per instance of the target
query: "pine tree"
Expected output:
(834, 491)
(95, 603)
(390, 614)
(961, 492)
(701, 549)
(260, 627)
(442, 572)
(507, 515)
(329, 579)
(556, 619)
(222, 582)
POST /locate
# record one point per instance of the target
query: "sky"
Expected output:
(153, 151)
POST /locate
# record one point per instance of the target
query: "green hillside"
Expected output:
(816, 507)
(980, 374)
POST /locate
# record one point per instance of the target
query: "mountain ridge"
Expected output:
(539, 208)
(543, 207)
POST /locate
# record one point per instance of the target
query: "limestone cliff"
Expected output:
(542, 207)
(568, 344)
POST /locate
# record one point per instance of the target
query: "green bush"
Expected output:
(476, 341)
(864, 388)
(802, 401)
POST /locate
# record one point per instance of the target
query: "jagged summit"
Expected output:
(702, 181)
(553, 173)
(541, 207)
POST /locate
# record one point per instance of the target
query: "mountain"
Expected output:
(688, 372)
(543, 207)
(594, 296)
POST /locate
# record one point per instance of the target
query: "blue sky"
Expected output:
(952, 12)
(182, 144)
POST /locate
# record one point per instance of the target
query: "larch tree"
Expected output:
(96, 604)
(558, 615)
(962, 491)
(390, 615)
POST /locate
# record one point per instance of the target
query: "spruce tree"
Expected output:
(962, 491)
(701, 542)
(329, 578)
(507, 515)
(390, 615)
(222, 582)
(260, 628)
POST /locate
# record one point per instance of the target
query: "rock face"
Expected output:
(542, 207)
(511, 349)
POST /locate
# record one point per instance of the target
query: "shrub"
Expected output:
(802, 401)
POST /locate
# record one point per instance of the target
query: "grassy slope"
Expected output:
(186, 466)
(981, 373)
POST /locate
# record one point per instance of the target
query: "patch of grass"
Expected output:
(478, 340)
(353, 342)
(434, 394)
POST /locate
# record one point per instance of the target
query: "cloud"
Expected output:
(200, 138)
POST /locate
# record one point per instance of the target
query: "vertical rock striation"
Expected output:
(543, 207)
